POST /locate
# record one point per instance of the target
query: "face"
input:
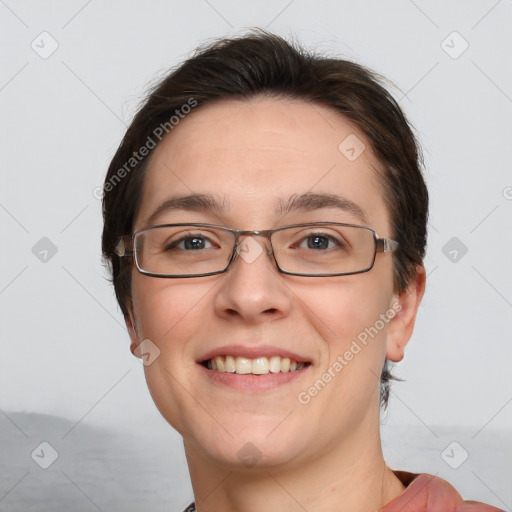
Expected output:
(249, 156)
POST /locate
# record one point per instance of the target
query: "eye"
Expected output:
(190, 243)
(319, 241)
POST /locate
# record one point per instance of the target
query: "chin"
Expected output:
(252, 449)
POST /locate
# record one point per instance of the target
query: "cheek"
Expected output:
(343, 309)
(347, 316)
(343, 312)
(164, 308)
(168, 313)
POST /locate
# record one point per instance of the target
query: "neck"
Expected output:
(350, 476)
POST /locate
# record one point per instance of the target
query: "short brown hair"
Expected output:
(265, 64)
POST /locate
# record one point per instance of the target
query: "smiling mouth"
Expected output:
(256, 366)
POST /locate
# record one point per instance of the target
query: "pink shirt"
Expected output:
(428, 493)
(425, 493)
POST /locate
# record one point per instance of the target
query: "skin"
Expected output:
(325, 455)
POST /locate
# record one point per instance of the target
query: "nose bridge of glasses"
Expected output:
(248, 248)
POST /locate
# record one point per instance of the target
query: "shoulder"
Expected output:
(425, 493)
(429, 493)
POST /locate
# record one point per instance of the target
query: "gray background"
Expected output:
(66, 374)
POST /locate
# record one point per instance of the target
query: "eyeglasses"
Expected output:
(314, 249)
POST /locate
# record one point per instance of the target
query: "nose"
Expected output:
(253, 290)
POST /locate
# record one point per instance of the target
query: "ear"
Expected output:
(131, 325)
(401, 326)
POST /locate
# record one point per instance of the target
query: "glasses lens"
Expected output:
(327, 249)
(183, 250)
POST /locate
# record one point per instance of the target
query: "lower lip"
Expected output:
(250, 382)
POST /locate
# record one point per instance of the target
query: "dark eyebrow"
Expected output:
(313, 201)
(303, 202)
(191, 202)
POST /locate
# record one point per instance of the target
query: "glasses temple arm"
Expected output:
(386, 245)
(121, 248)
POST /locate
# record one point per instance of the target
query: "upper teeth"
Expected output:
(257, 366)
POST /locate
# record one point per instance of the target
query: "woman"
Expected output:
(265, 222)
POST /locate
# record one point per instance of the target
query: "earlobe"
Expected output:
(401, 326)
(131, 325)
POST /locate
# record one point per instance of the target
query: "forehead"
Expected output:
(253, 156)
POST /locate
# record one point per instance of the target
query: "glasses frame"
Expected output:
(125, 248)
